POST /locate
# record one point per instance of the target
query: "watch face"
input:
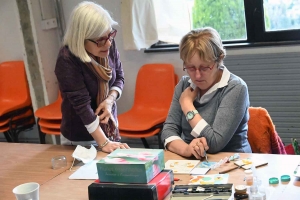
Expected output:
(190, 115)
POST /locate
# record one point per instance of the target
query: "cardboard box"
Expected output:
(131, 165)
(157, 189)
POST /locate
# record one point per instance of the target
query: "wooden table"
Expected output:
(22, 163)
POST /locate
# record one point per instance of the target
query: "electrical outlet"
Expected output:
(49, 24)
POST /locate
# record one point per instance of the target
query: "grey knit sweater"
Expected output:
(226, 114)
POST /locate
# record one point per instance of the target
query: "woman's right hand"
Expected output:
(104, 110)
(111, 146)
(198, 147)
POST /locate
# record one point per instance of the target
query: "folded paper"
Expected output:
(85, 155)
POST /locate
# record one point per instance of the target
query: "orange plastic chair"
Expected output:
(50, 131)
(153, 95)
(176, 79)
(51, 111)
(48, 123)
(143, 135)
(262, 134)
(6, 121)
(13, 126)
(49, 119)
(15, 100)
(14, 90)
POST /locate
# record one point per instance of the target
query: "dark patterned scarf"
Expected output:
(103, 72)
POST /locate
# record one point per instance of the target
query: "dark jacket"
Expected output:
(78, 86)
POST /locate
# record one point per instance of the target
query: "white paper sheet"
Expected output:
(199, 171)
(87, 171)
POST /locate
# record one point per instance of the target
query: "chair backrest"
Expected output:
(262, 134)
(13, 83)
(155, 86)
(176, 79)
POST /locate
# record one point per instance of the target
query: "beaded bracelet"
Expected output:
(104, 144)
(112, 97)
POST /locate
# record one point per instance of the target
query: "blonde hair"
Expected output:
(204, 41)
(88, 21)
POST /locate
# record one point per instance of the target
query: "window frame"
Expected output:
(256, 34)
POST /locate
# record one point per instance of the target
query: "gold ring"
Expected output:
(197, 143)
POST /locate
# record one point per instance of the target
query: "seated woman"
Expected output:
(209, 110)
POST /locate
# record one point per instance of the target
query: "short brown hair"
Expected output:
(204, 41)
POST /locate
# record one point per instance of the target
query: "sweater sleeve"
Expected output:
(119, 80)
(172, 125)
(72, 86)
(233, 106)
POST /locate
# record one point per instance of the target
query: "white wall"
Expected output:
(47, 45)
(11, 47)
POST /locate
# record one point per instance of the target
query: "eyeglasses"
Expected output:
(194, 69)
(102, 41)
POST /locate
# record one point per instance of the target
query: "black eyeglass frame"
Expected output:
(111, 36)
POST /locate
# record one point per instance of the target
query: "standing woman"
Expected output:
(91, 79)
(209, 110)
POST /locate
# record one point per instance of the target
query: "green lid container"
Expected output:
(273, 180)
(285, 178)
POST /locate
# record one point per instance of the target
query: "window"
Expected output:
(244, 22)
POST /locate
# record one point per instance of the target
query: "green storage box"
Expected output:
(131, 165)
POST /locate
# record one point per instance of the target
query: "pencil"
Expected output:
(263, 164)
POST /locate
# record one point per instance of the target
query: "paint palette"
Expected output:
(219, 191)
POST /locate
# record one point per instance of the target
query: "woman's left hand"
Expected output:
(106, 107)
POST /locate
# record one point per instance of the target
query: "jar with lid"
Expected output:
(249, 177)
(241, 192)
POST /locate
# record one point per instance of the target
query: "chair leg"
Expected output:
(20, 125)
(41, 134)
(146, 145)
(8, 136)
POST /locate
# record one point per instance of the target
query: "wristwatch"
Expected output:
(190, 115)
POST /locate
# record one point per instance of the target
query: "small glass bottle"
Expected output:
(249, 177)
(257, 191)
